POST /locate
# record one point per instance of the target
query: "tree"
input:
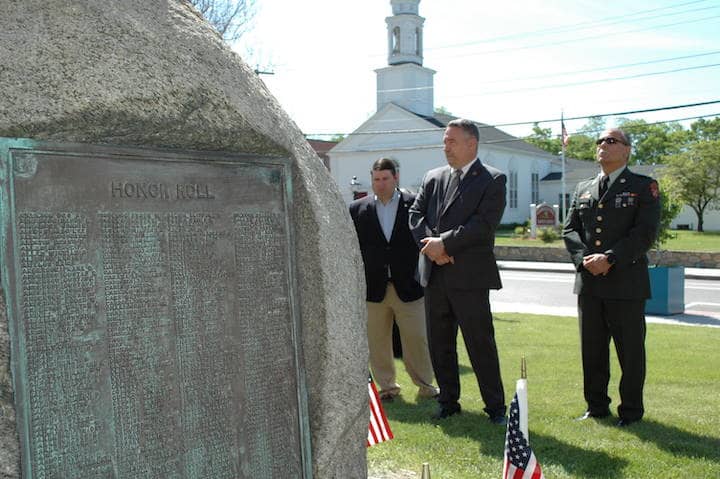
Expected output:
(652, 143)
(670, 207)
(706, 129)
(580, 146)
(543, 139)
(231, 18)
(693, 176)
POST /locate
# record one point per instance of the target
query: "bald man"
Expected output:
(612, 223)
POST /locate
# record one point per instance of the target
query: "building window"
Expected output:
(567, 201)
(396, 40)
(513, 190)
(535, 188)
(418, 42)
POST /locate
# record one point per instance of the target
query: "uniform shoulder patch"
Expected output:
(654, 189)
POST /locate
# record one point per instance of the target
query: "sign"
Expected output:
(152, 312)
(545, 215)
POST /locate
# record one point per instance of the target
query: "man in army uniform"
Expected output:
(612, 223)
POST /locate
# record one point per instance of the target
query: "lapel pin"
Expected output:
(622, 180)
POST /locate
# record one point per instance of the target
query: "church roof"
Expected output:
(489, 135)
(555, 175)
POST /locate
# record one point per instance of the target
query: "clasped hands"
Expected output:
(435, 250)
(596, 264)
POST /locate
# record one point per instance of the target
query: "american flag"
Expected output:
(520, 461)
(379, 429)
(565, 136)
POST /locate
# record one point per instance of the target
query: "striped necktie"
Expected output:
(452, 187)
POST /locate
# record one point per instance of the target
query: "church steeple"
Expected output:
(405, 82)
(405, 33)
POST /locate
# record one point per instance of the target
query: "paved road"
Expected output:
(550, 292)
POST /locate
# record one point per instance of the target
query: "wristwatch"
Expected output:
(611, 258)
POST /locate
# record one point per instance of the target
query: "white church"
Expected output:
(406, 128)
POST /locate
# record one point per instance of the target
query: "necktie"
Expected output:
(604, 185)
(452, 187)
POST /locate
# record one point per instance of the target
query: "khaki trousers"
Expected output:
(410, 318)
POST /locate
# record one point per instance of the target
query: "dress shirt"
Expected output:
(465, 169)
(613, 176)
(386, 213)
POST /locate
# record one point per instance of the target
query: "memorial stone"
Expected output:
(165, 290)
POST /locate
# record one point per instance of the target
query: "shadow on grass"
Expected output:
(491, 440)
(505, 319)
(677, 441)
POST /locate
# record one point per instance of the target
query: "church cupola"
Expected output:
(405, 33)
(405, 82)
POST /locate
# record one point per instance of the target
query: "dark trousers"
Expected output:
(624, 322)
(445, 310)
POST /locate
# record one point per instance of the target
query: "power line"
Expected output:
(628, 17)
(575, 40)
(521, 123)
(591, 70)
(575, 133)
(588, 82)
(661, 122)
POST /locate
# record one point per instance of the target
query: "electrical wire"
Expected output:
(598, 69)
(522, 123)
(587, 82)
(580, 39)
(628, 17)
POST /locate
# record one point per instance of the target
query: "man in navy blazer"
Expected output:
(390, 256)
(453, 220)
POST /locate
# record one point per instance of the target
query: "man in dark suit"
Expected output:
(454, 218)
(390, 256)
(612, 223)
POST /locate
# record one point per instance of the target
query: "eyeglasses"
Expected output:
(609, 140)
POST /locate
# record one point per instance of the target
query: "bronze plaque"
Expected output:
(154, 329)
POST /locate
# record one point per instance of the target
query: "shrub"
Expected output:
(548, 235)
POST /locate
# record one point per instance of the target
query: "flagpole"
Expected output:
(563, 141)
(521, 390)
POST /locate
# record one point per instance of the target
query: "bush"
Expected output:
(548, 235)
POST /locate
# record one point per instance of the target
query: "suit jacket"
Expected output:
(400, 253)
(466, 225)
(623, 222)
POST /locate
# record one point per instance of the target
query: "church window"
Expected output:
(418, 41)
(513, 190)
(396, 40)
(535, 187)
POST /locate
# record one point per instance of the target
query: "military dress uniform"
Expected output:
(622, 224)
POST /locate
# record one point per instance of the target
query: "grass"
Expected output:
(679, 437)
(694, 241)
(708, 241)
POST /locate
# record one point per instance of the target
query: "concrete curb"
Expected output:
(690, 273)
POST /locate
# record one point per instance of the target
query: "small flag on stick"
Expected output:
(565, 136)
(520, 461)
(379, 429)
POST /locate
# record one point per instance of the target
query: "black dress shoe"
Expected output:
(499, 420)
(626, 422)
(446, 411)
(591, 414)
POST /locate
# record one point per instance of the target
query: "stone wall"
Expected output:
(689, 259)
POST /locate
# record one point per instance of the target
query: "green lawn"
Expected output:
(682, 241)
(679, 437)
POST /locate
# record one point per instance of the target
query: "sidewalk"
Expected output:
(692, 318)
(690, 273)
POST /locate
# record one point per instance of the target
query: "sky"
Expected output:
(497, 62)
